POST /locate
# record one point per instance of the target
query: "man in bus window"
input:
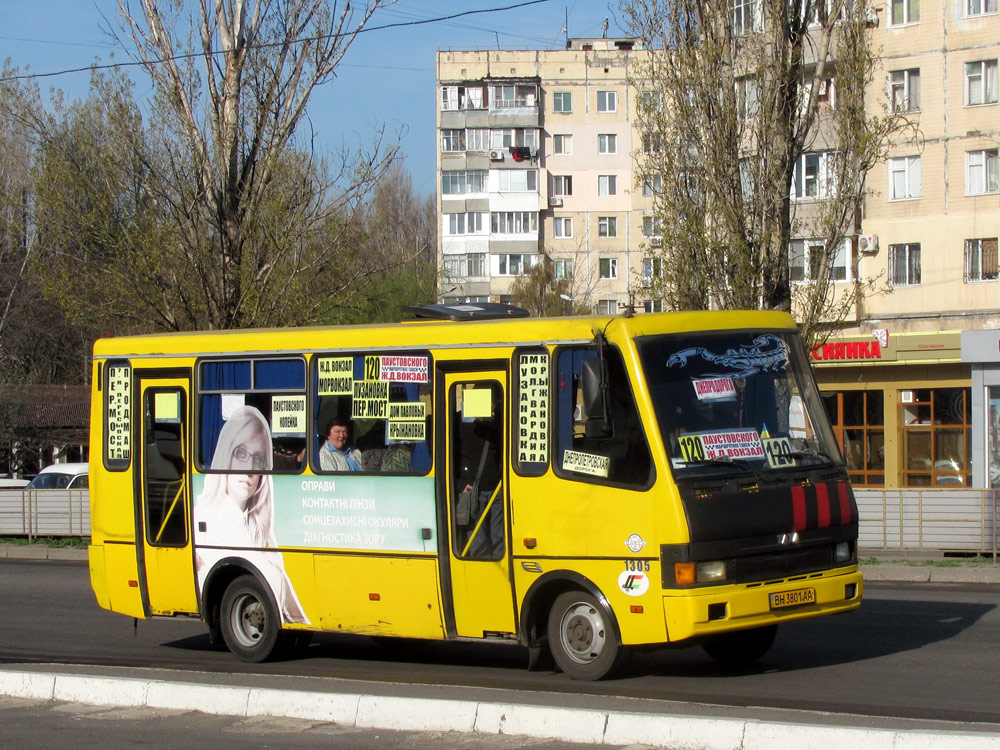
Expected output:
(337, 454)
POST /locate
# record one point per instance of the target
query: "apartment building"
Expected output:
(535, 157)
(898, 386)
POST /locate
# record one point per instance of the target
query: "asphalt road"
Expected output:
(920, 651)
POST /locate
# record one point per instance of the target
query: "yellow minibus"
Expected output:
(580, 486)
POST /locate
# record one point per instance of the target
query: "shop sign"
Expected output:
(844, 350)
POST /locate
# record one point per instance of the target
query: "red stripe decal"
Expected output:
(822, 506)
(798, 508)
(845, 503)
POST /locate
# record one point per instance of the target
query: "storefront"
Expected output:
(901, 407)
(981, 349)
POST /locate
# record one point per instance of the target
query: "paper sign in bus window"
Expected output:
(288, 416)
(118, 409)
(715, 389)
(167, 407)
(400, 369)
(586, 463)
(371, 399)
(336, 376)
(533, 409)
(706, 446)
(407, 421)
(477, 403)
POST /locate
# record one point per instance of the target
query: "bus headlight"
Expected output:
(710, 572)
(842, 552)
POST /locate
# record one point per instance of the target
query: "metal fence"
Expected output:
(931, 520)
(34, 513)
(899, 520)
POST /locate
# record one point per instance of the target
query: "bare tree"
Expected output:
(231, 86)
(745, 107)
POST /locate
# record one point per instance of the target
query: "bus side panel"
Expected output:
(379, 596)
(114, 577)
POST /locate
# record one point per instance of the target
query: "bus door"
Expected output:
(165, 555)
(473, 464)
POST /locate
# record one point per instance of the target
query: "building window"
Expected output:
(980, 7)
(517, 180)
(562, 101)
(747, 96)
(936, 433)
(652, 306)
(562, 184)
(981, 82)
(903, 12)
(453, 140)
(454, 266)
(514, 264)
(607, 143)
(982, 172)
(513, 222)
(512, 137)
(858, 419)
(813, 176)
(806, 259)
(904, 178)
(980, 260)
(904, 90)
(462, 182)
(743, 16)
(607, 307)
(652, 268)
(904, 264)
(562, 144)
(562, 227)
(607, 184)
(563, 268)
(461, 97)
(476, 265)
(607, 226)
(652, 143)
(469, 223)
(511, 96)
(607, 101)
(652, 185)
(651, 226)
(651, 101)
(607, 268)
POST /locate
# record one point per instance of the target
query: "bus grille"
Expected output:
(779, 565)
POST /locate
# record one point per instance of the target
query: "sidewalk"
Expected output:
(876, 566)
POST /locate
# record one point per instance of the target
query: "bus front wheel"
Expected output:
(250, 624)
(582, 637)
(740, 647)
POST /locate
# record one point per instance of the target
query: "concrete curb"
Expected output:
(432, 714)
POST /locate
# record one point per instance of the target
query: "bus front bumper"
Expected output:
(721, 608)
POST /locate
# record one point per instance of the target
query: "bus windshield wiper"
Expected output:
(739, 463)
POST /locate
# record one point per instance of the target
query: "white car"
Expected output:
(61, 477)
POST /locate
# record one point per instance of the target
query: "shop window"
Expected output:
(858, 422)
(936, 436)
(618, 454)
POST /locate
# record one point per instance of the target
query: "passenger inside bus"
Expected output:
(337, 453)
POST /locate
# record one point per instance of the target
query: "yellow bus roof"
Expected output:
(424, 333)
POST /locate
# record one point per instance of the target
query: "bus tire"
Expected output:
(740, 647)
(582, 637)
(251, 627)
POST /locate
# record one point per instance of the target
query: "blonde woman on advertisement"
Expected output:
(234, 514)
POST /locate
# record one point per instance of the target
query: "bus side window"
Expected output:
(621, 457)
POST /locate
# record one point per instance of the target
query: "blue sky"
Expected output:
(387, 76)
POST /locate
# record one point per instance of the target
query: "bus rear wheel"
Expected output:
(740, 647)
(582, 637)
(250, 624)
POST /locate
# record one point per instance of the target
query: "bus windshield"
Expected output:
(736, 401)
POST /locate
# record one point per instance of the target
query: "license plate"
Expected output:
(794, 598)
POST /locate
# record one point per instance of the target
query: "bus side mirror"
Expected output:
(595, 399)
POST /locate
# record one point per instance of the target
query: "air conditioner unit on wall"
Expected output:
(555, 200)
(868, 243)
(496, 155)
